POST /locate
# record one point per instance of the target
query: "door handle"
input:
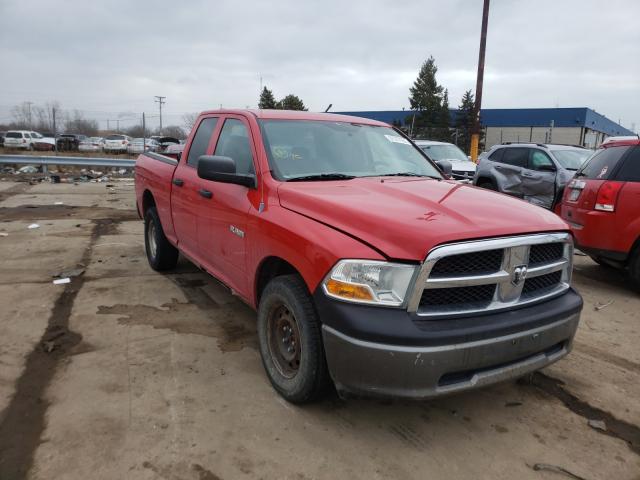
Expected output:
(177, 182)
(205, 193)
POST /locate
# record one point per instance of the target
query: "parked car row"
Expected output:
(117, 143)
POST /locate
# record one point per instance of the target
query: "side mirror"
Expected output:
(446, 166)
(223, 169)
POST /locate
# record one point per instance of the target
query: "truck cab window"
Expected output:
(234, 143)
(201, 141)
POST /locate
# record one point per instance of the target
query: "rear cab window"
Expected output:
(201, 140)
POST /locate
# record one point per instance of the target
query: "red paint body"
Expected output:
(312, 225)
(606, 234)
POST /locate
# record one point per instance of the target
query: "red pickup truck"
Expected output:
(366, 266)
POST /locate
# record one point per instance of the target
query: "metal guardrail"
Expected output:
(54, 160)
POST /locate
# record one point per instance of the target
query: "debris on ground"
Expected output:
(61, 281)
(513, 404)
(554, 468)
(28, 169)
(599, 306)
(33, 225)
(73, 272)
(4, 234)
(7, 170)
(58, 203)
(579, 253)
(598, 425)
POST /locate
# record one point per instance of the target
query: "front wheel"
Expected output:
(160, 253)
(291, 340)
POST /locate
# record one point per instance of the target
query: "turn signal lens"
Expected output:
(349, 291)
(608, 196)
(370, 281)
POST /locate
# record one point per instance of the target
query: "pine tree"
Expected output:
(426, 98)
(291, 102)
(267, 100)
(464, 121)
(443, 131)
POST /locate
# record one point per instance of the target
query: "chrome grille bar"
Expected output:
(509, 280)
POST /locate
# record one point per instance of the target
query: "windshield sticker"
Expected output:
(604, 171)
(396, 139)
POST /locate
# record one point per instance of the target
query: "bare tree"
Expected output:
(173, 131)
(21, 115)
(189, 120)
(77, 123)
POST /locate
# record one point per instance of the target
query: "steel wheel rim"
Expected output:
(283, 338)
(151, 237)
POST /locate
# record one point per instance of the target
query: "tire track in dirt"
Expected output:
(23, 421)
(615, 427)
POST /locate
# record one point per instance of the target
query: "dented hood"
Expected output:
(405, 218)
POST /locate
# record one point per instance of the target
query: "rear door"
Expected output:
(222, 226)
(508, 171)
(187, 201)
(539, 179)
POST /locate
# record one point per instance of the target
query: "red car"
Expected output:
(602, 206)
(367, 268)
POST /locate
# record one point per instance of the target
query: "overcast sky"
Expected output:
(110, 58)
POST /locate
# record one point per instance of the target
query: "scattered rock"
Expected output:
(598, 425)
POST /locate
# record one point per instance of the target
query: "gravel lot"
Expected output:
(127, 373)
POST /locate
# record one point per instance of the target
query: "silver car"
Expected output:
(535, 172)
(461, 167)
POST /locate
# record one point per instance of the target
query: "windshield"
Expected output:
(572, 159)
(305, 148)
(444, 152)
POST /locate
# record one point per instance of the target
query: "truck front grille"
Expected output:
(468, 264)
(480, 276)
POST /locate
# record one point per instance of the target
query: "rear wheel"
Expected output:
(160, 253)
(634, 269)
(290, 340)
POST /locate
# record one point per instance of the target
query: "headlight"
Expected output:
(368, 281)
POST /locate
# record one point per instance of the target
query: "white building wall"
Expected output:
(498, 135)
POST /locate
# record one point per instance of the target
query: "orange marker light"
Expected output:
(347, 290)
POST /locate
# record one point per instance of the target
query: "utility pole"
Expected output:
(144, 134)
(29, 113)
(160, 101)
(55, 135)
(475, 136)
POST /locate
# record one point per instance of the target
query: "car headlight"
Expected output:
(369, 281)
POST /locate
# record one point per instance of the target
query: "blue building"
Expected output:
(575, 126)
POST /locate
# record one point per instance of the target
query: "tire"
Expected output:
(488, 184)
(291, 340)
(634, 269)
(160, 253)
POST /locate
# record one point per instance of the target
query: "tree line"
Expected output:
(431, 118)
(50, 117)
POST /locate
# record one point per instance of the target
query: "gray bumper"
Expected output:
(422, 372)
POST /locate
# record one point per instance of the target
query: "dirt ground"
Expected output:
(124, 373)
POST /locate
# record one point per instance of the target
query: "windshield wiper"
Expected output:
(409, 174)
(322, 176)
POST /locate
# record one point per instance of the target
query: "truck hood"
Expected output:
(405, 218)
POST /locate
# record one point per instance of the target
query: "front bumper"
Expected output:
(435, 367)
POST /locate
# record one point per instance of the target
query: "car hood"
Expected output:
(405, 218)
(463, 165)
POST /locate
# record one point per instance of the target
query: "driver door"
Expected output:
(539, 179)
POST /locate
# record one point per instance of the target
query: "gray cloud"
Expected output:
(111, 57)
